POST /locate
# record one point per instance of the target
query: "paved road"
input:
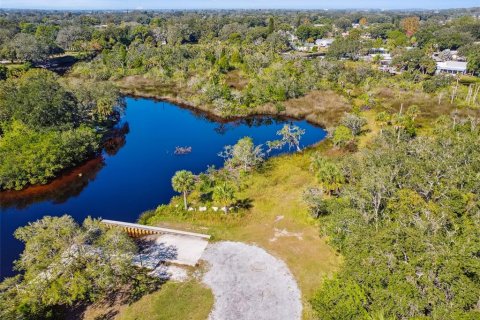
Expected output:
(250, 284)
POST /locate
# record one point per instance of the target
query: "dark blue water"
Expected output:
(135, 174)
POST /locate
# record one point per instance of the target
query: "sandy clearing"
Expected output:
(170, 248)
(248, 283)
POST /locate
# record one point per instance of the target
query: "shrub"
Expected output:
(342, 136)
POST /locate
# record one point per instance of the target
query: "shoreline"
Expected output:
(31, 193)
(321, 108)
(210, 115)
(69, 182)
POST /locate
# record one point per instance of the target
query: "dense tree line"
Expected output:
(47, 125)
(405, 215)
(235, 61)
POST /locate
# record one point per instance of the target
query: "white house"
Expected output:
(306, 47)
(385, 58)
(324, 43)
(452, 67)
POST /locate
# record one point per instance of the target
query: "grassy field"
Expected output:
(190, 301)
(278, 222)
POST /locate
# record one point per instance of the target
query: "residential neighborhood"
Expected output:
(382, 51)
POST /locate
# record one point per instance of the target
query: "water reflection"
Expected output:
(116, 139)
(250, 122)
(58, 191)
(72, 182)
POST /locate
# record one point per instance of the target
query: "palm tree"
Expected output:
(328, 174)
(224, 193)
(183, 181)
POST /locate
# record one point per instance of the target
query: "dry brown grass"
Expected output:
(147, 87)
(236, 80)
(320, 107)
(431, 106)
(324, 108)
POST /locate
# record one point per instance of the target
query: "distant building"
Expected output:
(378, 50)
(384, 59)
(306, 47)
(324, 43)
(452, 67)
(448, 55)
(291, 37)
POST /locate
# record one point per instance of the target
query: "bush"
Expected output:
(354, 123)
(340, 299)
(436, 82)
(313, 197)
(153, 216)
(342, 136)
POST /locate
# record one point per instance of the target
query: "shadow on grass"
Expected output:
(244, 203)
(265, 167)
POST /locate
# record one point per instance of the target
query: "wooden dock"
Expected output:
(139, 230)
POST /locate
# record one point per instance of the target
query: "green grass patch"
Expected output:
(467, 79)
(189, 300)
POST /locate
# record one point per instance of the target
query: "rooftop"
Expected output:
(452, 65)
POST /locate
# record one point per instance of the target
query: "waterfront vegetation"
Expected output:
(47, 125)
(274, 198)
(379, 221)
(65, 264)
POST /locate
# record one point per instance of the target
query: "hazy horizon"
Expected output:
(240, 4)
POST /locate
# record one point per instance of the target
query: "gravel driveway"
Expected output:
(248, 283)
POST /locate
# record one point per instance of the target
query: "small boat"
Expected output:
(179, 151)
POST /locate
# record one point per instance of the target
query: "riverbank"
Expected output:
(321, 108)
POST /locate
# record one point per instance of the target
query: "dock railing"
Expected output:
(138, 230)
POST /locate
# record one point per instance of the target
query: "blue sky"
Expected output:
(216, 4)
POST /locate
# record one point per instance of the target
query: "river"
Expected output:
(134, 172)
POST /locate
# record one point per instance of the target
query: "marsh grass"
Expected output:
(322, 107)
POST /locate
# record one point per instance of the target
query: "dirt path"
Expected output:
(248, 283)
